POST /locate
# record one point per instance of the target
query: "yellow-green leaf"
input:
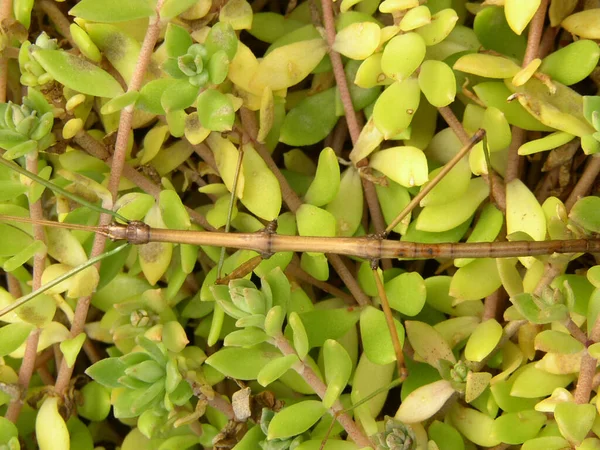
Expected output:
(262, 194)
(288, 65)
(406, 166)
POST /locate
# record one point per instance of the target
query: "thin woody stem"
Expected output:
(5, 13)
(320, 388)
(295, 271)
(338, 71)
(583, 186)
(117, 165)
(98, 150)
(354, 126)
(61, 23)
(587, 369)
(39, 260)
(536, 29)
(362, 247)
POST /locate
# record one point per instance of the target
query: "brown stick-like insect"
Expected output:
(267, 243)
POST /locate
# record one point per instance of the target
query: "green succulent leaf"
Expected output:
(77, 73)
(424, 402)
(113, 10)
(338, 368)
(215, 110)
(295, 419)
(12, 336)
(107, 372)
(375, 335)
(585, 213)
(574, 421)
(518, 427)
(242, 363)
(276, 368)
(406, 293)
(311, 120)
(428, 343)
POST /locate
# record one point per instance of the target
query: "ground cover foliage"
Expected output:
(433, 122)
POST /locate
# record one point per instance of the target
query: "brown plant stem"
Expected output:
(453, 122)
(389, 318)
(583, 186)
(293, 202)
(39, 261)
(117, 165)
(98, 150)
(576, 331)
(13, 286)
(354, 126)
(491, 304)
(536, 29)
(59, 20)
(362, 247)
(207, 156)
(552, 270)
(495, 182)
(295, 271)
(216, 401)
(320, 388)
(547, 41)
(5, 13)
(338, 71)
(587, 370)
(46, 376)
(514, 160)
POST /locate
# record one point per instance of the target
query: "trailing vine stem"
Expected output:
(117, 166)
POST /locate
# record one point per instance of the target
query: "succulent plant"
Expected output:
(180, 118)
(395, 436)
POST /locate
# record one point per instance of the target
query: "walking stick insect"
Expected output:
(268, 242)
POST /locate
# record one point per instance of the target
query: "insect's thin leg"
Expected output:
(59, 190)
(236, 177)
(429, 186)
(389, 318)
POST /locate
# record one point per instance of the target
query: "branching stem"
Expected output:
(320, 388)
(117, 165)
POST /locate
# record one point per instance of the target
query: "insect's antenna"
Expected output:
(58, 280)
(59, 190)
(50, 223)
